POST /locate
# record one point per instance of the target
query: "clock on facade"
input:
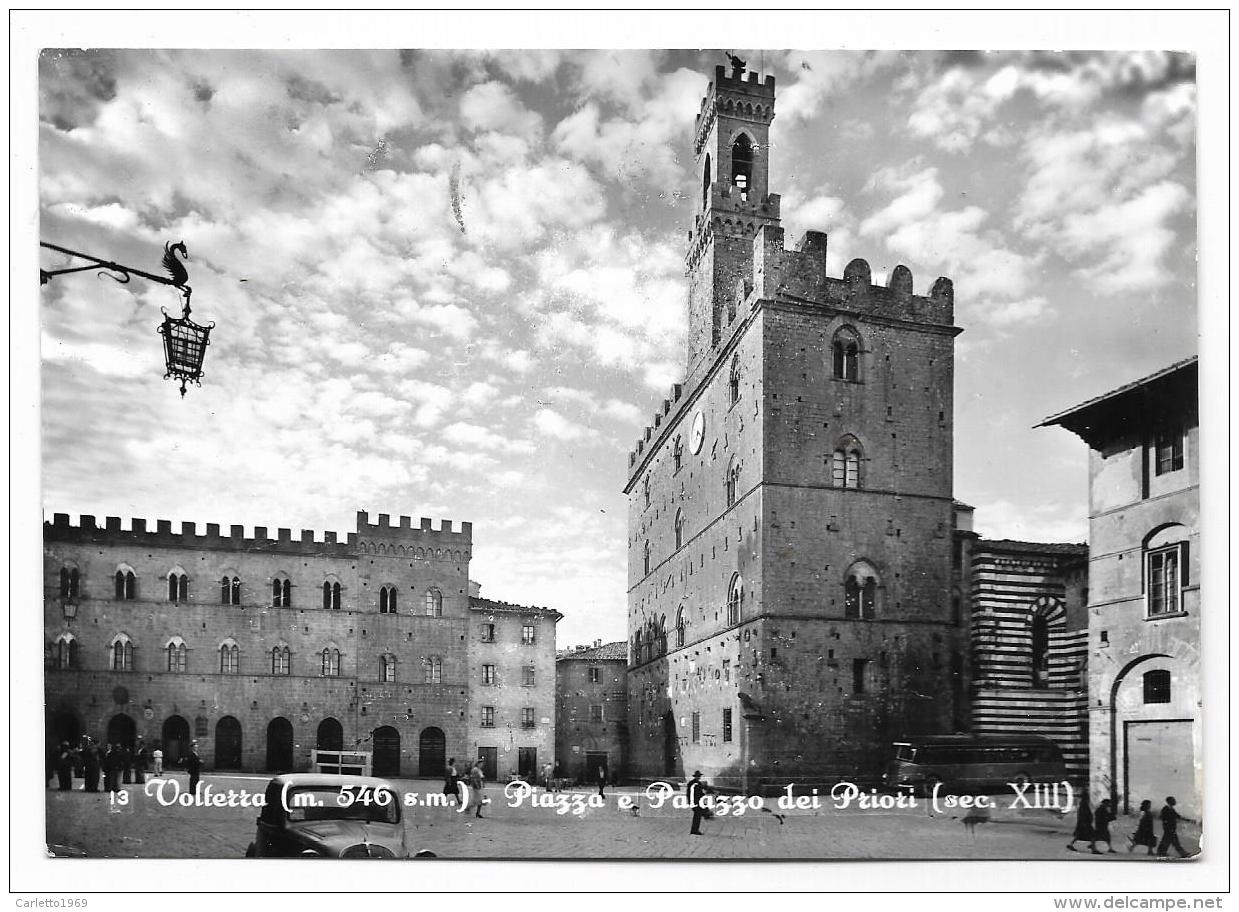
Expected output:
(698, 434)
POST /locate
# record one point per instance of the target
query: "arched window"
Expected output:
(735, 600)
(178, 655)
(705, 183)
(742, 164)
(733, 381)
(229, 657)
(387, 669)
(679, 529)
(860, 592)
(845, 463)
(677, 453)
(122, 653)
(434, 670)
(387, 600)
(281, 592)
(845, 355)
(1165, 570)
(645, 559)
(69, 579)
(433, 601)
(662, 635)
(230, 590)
(637, 658)
(1040, 650)
(281, 660)
(66, 651)
(331, 662)
(178, 587)
(645, 487)
(126, 584)
(331, 595)
(679, 628)
(732, 481)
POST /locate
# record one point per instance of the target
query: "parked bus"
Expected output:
(974, 763)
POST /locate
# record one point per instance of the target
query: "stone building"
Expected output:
(264, 648)
(1029, 643)
(511, 655)
(1144, 608)
(591, 711)
(790, 505)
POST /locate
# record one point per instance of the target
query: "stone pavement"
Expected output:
(90, 824)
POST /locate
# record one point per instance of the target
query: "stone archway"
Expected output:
(330, 736)
(431, 753)
(279, 745)
(174, 740)
(122, 730)
(228, 744)
(386, 760)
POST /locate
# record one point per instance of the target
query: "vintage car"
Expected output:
(313, 815)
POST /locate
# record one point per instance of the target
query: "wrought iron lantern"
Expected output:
(70, 609)
(184, 346)
(184, 341)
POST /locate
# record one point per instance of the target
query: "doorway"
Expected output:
(595, 760)
(527, 763)
(330, 735)
(671, 745)
(228, 744)
(386, 751)
(431, 753)
(490, 762)
(174, 740)
(279, 745)
(122, 731)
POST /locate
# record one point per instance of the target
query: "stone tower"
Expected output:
(790, 511)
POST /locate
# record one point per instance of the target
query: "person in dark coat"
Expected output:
(64, 766)
(93, 763)
(1101, 825)
(1084, 827)
(126, 760)
(113, 766)
(477, 782)
(140, 760)
(1170, 830)
(193, 764)
(449, 780)
(696, 793)
(1144, 829)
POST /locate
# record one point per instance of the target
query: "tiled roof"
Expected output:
(1008, 544)
(607, 651)
(1116, 393)
(477, 603)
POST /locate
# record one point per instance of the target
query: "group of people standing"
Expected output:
(474, 778)
(115, 764)
(1093, 826)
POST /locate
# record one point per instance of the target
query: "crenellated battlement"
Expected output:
(739, 95)
(138, 531)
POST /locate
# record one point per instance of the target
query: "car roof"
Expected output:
(297, 780)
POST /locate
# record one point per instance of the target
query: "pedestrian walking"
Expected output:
(602, 781)
(449, 781)
(126, 760)
(157, 759)
(1084, 827)
(547, 770)
(696, 795)
(93, 765)
(1102, 819)
(1170, 829)
(193, 763)
(477, 784)
(140, 760)
(64, 767)
(1144, 829)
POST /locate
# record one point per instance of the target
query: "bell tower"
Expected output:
(732, 152)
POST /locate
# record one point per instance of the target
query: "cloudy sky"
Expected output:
(449, 284)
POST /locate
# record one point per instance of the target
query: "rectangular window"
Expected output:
(696, 728)
(1163, 581)
(527, 717)
(528, 635)
(488, 674)
(488, 633)
(1169, 452)
(595, 712)
(1157, 687)
(488, 717)
(860, 669)
(528, 674)
(595, 675)
(726, 725)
